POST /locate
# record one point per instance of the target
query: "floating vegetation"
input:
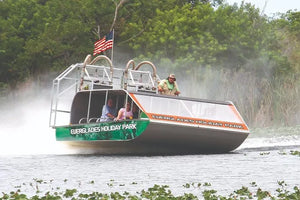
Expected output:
(295, 153)
(253, 184)
(292, 152)
(264, 153)
(282, 153)
(161, 192)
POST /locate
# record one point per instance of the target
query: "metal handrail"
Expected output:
(86, 61)
(130, 62)
(149, 63)
(108, 60)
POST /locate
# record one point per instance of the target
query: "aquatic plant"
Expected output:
(295, 153)
(292, 152)
(162, 192)
(264, 153)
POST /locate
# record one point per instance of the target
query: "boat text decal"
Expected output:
(106, 128)
(195, 121)
(122, 130)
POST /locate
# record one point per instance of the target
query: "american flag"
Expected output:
(103, 44)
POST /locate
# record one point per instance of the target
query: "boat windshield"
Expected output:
(187, 108)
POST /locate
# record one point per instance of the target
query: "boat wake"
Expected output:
(24, 129)
(278, 142)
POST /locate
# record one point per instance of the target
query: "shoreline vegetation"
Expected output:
(191, 191)
(275, 130)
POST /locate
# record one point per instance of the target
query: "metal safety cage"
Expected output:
(69, 82)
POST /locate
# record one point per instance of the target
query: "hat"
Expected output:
(172, 76)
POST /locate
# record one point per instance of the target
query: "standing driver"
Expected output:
(169, 86)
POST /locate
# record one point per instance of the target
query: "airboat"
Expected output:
(164, 124)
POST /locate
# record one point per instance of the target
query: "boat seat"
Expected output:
(142, 87)
(91, 120)
(146, 89)
(102, 85)
(83, 120)
(94, 120)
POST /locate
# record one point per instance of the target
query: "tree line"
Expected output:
(232, 52)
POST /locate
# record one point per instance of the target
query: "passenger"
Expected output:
(109, 112)
(125, 113)
(169, 86)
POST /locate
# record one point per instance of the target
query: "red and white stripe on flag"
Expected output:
(99, 46)
(103, 44)
(109, 44)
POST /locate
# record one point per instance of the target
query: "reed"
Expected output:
(262, 101)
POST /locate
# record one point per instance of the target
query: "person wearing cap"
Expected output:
(169, 86)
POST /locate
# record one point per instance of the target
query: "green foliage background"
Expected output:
(217, 50)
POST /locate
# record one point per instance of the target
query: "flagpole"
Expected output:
(112, 49)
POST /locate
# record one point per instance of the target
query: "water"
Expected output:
(29, 152)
